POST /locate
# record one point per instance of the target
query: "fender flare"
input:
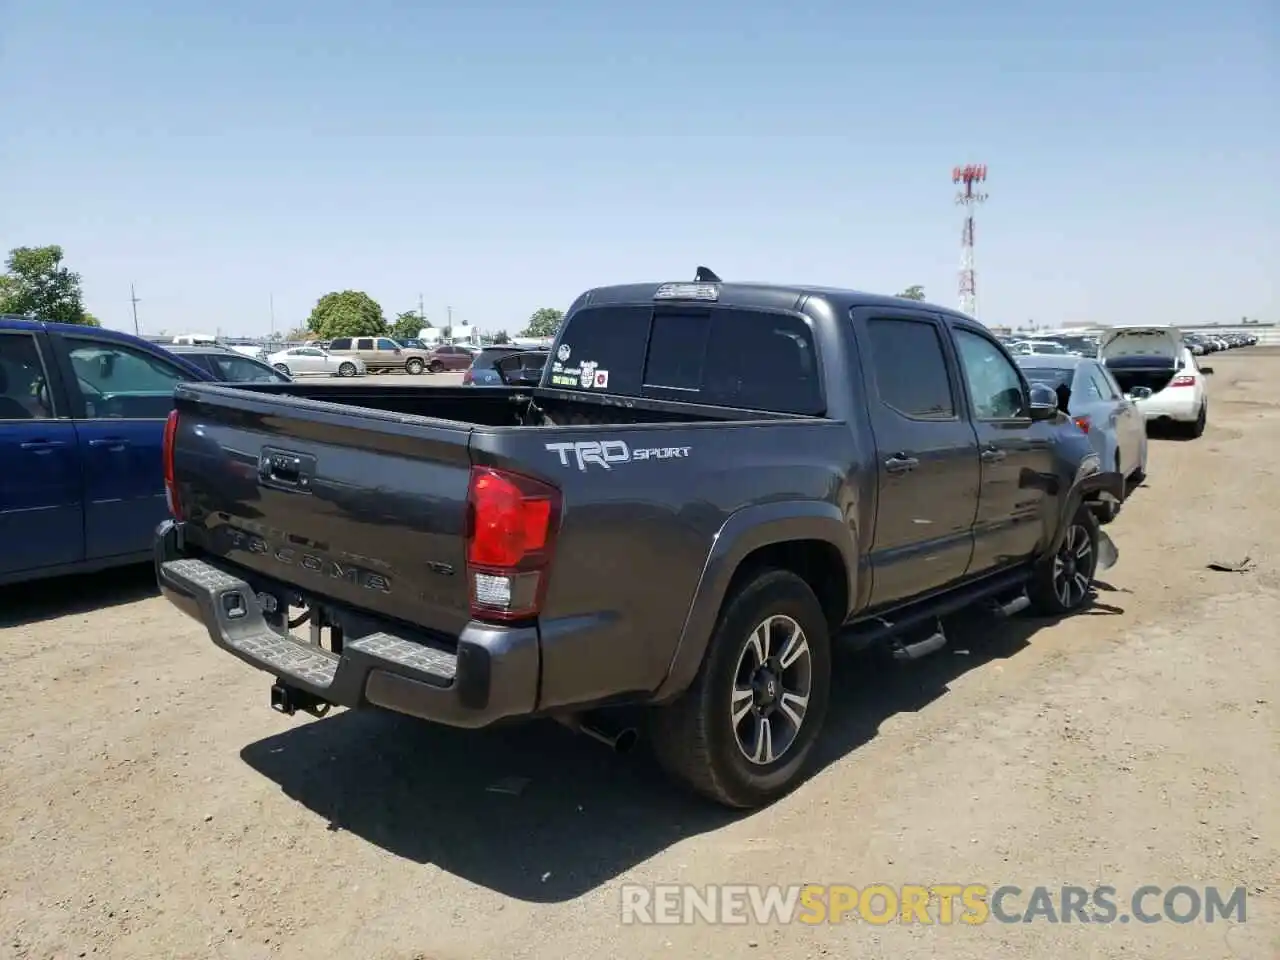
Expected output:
(1089, 480)
(743, 532)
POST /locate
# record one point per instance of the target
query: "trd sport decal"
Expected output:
(607, 453)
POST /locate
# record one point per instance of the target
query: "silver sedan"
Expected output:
(309, 361)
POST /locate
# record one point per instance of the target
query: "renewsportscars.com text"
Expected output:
(940, 903)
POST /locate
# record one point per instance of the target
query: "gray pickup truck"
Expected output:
(710, 485)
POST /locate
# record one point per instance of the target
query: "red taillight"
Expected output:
(1183, 381)
(170, 480)
(1082, 423)
(512, 527)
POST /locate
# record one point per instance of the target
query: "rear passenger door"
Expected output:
(1130, 424)
(927, 456)
(120, 395)
(1012, 448)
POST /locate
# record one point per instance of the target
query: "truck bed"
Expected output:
(370, 510)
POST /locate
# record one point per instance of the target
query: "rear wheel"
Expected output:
(283, 368)
(743, 731)
(414, 367)
(1061, 583)
(347, 370)
(435, 366)
(1195, 429)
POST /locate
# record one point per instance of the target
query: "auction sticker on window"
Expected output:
(587, 375)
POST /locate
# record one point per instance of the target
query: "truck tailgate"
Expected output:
(329, 498)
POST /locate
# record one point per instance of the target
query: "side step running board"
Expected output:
(1013, 607)
(921, 648)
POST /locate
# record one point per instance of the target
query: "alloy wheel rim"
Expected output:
(1073, 567)
(771, 689)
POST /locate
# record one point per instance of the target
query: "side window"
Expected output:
(1111, 382)
(342, 343)
(911, 368)
(117, 381)
(385, 344)
(1087, 386)
(1102, 383)
(994, 385)
(24, 390)
(364, 343)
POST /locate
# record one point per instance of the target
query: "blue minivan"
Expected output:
(82, 416)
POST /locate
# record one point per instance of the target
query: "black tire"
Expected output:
(1045, 586)
(1195, 429)
(413, 366)
(435, 366)
(695, 737)
(283, 368)
(347, 370)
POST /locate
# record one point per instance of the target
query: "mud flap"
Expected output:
(1107, 552)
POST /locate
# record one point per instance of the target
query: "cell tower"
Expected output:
(969, 196)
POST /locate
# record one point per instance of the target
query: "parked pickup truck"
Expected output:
(82, 417)
(711, 484)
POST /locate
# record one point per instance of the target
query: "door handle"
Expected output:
(114, 443)
(900, 464)
(39, 446)
(992, 455)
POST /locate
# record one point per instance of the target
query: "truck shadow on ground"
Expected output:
(28, 603)
(543, 815)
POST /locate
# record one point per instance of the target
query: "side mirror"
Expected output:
(1044, 402)
(1140, 393)
(1206, 370)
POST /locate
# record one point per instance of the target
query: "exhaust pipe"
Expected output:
(618, 739)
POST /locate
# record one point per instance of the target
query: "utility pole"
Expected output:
(272, 299)
(133, 298)
(422, 317)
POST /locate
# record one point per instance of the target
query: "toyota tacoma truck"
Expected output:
(710, 485)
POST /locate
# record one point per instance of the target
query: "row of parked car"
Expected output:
(1115, 383)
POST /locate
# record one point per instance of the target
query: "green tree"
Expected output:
(298, 334)
(35, 283)
(406, 325)
(349, 313)
(89, 320)
(545, 322)
(501, 337)
(913, 292)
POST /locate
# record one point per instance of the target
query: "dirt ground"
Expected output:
(151, 805)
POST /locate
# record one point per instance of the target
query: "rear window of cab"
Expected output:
(721, 356)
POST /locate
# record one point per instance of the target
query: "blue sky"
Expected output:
(497, 157)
